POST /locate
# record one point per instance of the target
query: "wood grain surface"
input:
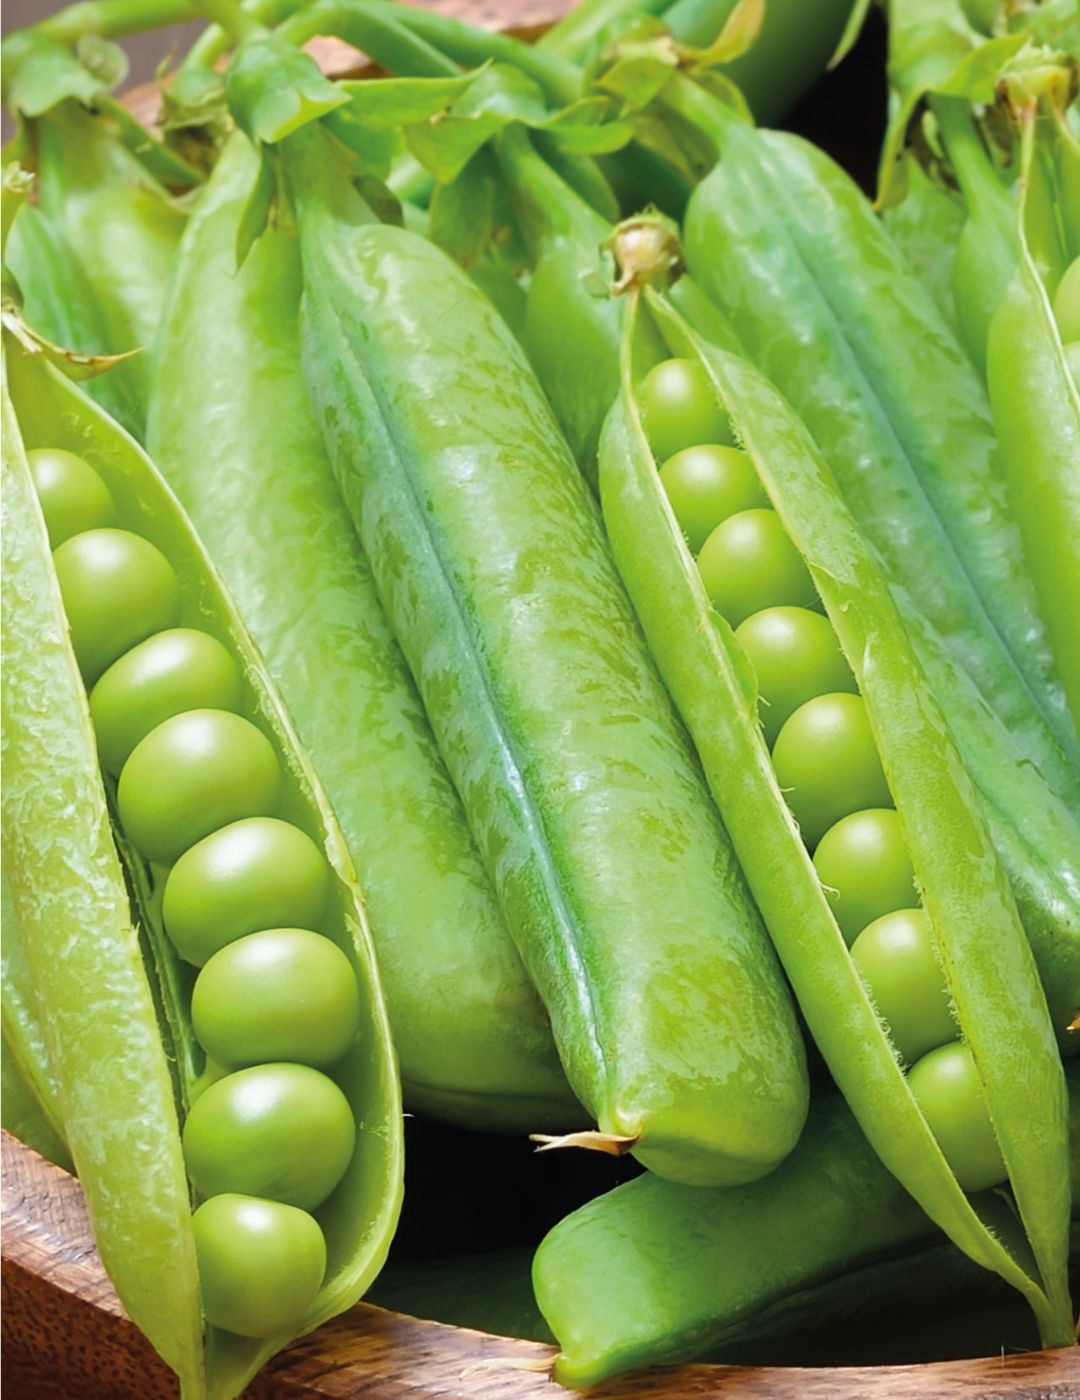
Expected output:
(67, 1338)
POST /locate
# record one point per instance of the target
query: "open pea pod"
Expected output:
(74, 924)
(357, 1219)
(990, 975)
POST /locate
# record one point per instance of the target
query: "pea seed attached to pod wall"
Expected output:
(212, 783)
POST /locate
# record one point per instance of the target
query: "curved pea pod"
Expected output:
(654, 1273)
(615, 877)
(229, 423)
(989, 971)
(74, 926)
(359, 1216)
(792, 251)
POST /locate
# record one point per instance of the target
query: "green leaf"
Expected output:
(39, 73)
(855, 21)
(257, 208)
(445, 147)
(585, 128)
(74, 364)
(374, 146)
(16, 189)
(381, 200)
(105, 60)
(394, 102)
(274, 89)
(976, 76)
(738, 35)
(462, 220)
(165, 165)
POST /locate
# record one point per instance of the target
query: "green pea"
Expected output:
(795, 656)
(1067, 302)
(864, 857)
(118, 589)
(254, 874)
(748, 563)
(192, 774)
(72, 496)
(173, 671)
(281, 1131)
(281, 994)
(707, 483)
(896, 960)
(260, 1264)
(947, 1089)
(679, 408)
(828, 764)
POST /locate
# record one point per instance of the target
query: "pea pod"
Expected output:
(990, 975)
(358, 1218)
(655, 1273)
(1004, 306)
(229, 422)
(554, 798)
(121, 1126)
(930, 429)
(773, 261)
(1036, 403)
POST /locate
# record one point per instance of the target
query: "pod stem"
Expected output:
(109, 19)
(590, 1139)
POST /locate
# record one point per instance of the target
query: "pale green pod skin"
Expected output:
(229, 423)
(359, 1218)
(30, 1099)
(615, 876)
(122, 226)
(71, 907)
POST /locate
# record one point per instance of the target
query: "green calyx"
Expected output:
(647, 252)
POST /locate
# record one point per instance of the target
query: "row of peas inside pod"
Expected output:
(823, 751)
(276, 1003)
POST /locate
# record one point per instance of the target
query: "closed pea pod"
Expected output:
(229, 419)
(402, 430)
(452, 574)
(954, 863)
(655, 1273)
(357, 1220)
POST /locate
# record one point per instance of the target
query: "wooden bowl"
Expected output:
(66, 1336)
